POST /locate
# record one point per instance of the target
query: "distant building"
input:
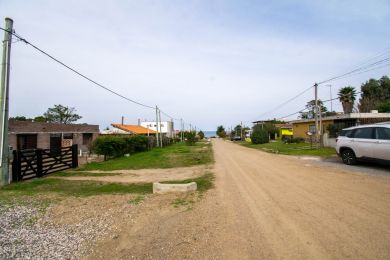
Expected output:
(167, 127)
(128, 130)
(303, 126)
(32, 135)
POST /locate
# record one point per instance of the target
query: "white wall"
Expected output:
(167, 127)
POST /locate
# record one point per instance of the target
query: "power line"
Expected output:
(77, 72)
(286, 102)
(360, 69)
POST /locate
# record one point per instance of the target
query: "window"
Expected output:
(27, 141)
(87, 139)
(67, 136)
(383, 133)
(346, 133)
(312, 129)
(363, 133)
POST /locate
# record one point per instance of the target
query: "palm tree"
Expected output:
(347, 96)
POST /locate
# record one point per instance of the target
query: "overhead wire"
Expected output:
(77, 72)
(20, 38)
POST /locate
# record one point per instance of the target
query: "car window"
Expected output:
(363, 133)
(346, 133)
(383, 133)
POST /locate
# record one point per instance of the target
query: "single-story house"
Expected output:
(119, 129)
(303, 126)
(31, 135)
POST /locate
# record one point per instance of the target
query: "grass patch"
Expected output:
(176, 155)
(37, 187)
(291, 149)
(137, 200)
(183, 201)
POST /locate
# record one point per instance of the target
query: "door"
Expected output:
(26, 141)
(381, 148)
(363, 142)
(55, 143)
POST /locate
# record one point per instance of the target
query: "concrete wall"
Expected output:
(329, 142)
(167, 127)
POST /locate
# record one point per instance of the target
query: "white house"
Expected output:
(167, 127)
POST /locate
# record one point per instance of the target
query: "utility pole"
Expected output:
(316, 111)
(157, 140)
(241, 131)
(4, 102)
(159, 117)
(331, 99)
(181, 129)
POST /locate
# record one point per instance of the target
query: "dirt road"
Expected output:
(266, 206)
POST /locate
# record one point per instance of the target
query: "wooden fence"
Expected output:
(29, 164)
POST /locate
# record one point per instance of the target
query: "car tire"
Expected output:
(348, 157)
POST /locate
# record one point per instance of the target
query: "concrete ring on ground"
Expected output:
(165, 188)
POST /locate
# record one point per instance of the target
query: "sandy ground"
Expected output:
(265, 206)
(145, 175)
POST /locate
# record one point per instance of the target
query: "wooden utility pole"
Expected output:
(181, 129)
(157, 140)
(159, 123)
(4, 102)
(316, 112)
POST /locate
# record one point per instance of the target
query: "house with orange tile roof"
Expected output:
(129, 130)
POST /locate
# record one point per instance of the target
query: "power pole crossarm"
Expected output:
(4, 99)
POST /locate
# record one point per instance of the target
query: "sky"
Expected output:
(209, 62)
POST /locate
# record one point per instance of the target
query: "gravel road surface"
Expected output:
(267, 206)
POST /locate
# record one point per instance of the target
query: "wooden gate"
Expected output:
(29, 164)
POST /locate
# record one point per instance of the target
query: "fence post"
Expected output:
(38, 153)
(15, 167)
(75, 159)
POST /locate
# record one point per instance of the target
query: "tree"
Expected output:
(20, 118)
(384, 107)
(310, 106)
(61, 114)
(347, 96)
(40, 119)
(374, 92)
(201, 134)
(221, 131)
(259, 135)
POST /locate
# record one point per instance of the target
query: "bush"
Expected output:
(259, 135)
(115, 146)
(191, 138)
(201, 135)
(295, 140)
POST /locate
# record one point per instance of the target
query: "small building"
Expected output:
(286, 131)
(303, 126)
(167, 127)
(32, 135)
(129, 130)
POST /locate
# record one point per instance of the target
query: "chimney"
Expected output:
(123, 119)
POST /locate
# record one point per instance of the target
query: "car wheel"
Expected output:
(348, 157)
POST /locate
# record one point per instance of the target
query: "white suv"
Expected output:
(365, 142)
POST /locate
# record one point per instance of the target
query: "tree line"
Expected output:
(56, 114)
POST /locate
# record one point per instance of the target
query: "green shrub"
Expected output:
(191, 138)
(259, 135)
(201, 134)
(116, 146)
